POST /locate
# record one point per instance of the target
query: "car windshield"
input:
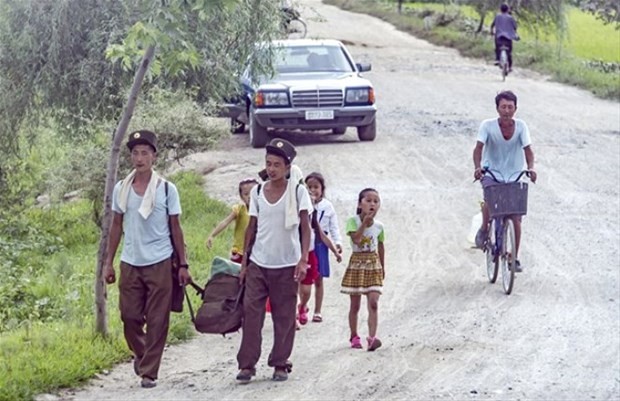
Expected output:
(317, 58)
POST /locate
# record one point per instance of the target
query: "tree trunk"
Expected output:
(101, 296)
(400, 6)
(481, 24)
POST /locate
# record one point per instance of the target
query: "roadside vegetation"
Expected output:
(569, 45)
(66, 69)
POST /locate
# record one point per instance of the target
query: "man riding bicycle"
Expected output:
(507, 150)
(504, 28)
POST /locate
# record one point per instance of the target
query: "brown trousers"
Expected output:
(145, 297)
(281, 288)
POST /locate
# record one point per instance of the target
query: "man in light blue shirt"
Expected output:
(506, 146)
(146, 214)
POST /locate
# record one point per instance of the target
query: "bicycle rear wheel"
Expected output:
(491, 257)
(508, 256)
(503, 62)
(296, 29)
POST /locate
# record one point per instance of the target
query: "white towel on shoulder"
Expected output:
(148, 200)
(291, 219)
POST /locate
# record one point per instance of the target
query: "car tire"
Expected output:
(258, 134)
(339, 130)
(236, 126)
(367, 132)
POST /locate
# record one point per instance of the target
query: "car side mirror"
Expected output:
(363, 67)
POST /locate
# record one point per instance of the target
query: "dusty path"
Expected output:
(447, 333)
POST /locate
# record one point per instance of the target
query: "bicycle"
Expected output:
(292, 24)
(503, 61)
(504, 201)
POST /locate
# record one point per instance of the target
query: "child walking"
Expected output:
(240, 216)
(328, 224)
(366, 270)
(312, 274)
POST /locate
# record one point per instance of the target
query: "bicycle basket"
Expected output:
(506, 199)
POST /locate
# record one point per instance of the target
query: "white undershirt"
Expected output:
(276, 247)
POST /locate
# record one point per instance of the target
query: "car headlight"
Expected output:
(360, 96)
(271, 99)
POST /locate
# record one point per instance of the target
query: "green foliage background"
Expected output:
(47, 339)
(65, 71)
(543, 46)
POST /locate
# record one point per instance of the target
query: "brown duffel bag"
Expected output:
(221, 311)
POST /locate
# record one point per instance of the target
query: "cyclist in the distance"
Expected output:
(504, 29)
(506, 146)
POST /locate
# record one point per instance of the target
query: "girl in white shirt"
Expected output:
(328, 222)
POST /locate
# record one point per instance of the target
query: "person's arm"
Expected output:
(529, 159)
(358, 235)
(248, 242)
(381, 250)
(493, 26)
(220, 227)
(178, 243)
(325, 239)
(302, 265)
(477, 156)
(334, 229)
(114, 238)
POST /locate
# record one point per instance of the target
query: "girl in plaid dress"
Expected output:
(366, 270)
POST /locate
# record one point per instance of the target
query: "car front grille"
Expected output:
(317, 98)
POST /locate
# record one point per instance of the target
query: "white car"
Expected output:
(316, 86)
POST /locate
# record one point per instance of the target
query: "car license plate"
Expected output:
(320, 115)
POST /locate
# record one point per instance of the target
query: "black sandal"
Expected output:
(245, 375)
(280, 374)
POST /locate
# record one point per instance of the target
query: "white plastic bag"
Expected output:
(476, 222)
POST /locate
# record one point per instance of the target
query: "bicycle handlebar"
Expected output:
(486, 170)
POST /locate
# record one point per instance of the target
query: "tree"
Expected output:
(72, 61)
(537, 15)
(606, 10)
(52, 62)
(184, 49)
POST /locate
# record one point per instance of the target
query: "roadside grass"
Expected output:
(62, 350)
(587, 38)
(569, 65)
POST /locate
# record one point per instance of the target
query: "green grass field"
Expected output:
(588, 58)
(587, 37)
(590, 39)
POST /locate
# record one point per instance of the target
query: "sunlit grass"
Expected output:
(587, 37)
(542, 54)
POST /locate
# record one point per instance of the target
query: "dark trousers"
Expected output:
(502, 41)
(145, 297)
(281, 288)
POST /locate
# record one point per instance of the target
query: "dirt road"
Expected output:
(447, 333)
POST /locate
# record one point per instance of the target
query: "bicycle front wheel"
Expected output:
(296, 29)
(508, 257)
(491, 255)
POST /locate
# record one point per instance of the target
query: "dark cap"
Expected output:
(283, 148)
(142, 137)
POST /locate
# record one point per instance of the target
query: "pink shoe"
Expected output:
(303, 314)
(373, 343)
(356, 342)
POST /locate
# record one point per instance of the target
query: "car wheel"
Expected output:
(339, 130)
(367, 132)
(236, 126)
(258, 133)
